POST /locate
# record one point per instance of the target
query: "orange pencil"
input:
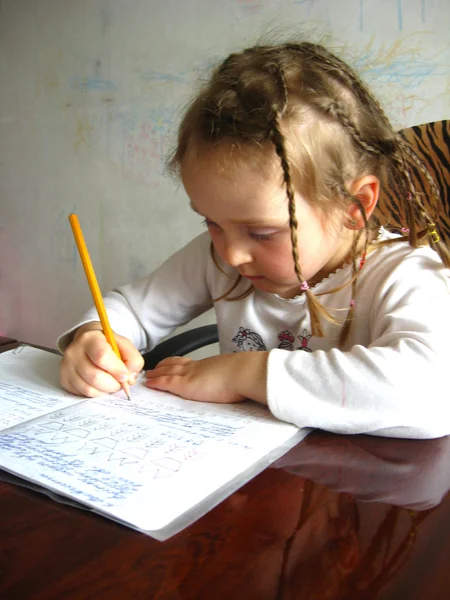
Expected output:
(95, 290)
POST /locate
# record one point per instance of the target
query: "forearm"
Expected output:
(366, 390)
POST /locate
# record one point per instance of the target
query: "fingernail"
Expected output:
(132, 378)
(124, 377)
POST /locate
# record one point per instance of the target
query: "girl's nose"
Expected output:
(235, 253)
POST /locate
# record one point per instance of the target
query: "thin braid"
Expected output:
(338, 111)
(407, 150)
(351, 309)
(399, 159)
(314, 306)
(344, 73)
(278, 142)
(355, 268)
(413, 156)
(277, 70)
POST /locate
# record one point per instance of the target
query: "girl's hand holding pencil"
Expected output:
(91, 368)
(102, 351)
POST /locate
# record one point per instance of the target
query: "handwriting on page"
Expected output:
(19, 404)
(105, 450)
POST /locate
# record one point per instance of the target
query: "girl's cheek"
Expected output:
(281, 259)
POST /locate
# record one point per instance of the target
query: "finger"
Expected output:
(131, 356)
(98, 387)
(67, 385)
(98, 379)
(165, 370)
(174, 360)
(165, 383)
(102, 356)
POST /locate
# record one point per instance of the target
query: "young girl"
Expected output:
(330, 321)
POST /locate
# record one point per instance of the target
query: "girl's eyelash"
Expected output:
(208, 223)
(261, 236)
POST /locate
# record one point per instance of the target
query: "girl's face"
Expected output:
(246, 212)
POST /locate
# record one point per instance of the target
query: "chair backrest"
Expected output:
(431, 142)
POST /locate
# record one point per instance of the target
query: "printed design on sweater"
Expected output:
(304, 339)
(287, 341)
(248, 341)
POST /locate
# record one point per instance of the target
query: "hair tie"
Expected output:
(404, 230)
(352, 303)
(362, 262)
(432, 233)
(304, 286)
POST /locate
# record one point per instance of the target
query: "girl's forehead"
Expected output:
(232, 159)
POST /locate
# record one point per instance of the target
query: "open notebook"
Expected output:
(155, 463)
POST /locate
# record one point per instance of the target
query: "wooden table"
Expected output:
(322, 523)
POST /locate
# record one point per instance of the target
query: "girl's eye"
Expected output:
(262, 236)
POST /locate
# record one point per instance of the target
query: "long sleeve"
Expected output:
(395, 383)
(149, 309)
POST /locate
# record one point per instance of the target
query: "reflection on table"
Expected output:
(338, 517)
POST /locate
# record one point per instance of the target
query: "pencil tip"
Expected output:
(126, 389)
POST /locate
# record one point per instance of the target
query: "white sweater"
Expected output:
(392, 377)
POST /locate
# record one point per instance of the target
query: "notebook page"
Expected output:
(149, 460)
(25, 393)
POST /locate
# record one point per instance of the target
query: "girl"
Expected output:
(283, 154)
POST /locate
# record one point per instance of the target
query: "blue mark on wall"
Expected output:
(163, 76)
(399, 15)
(408, 71)
(89, 84)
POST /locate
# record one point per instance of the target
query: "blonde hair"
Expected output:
(258, 98)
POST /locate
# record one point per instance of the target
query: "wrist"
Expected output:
(250, 379)
(90, 326)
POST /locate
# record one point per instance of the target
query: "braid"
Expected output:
(278, 142)
(341, 71)
(413, 156)
(277, 71)
(275, 135)
(351, 309)
(338, 111)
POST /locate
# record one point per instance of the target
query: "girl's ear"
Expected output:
(367, 190)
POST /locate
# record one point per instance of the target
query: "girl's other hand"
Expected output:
(91, 368)
(225, 378)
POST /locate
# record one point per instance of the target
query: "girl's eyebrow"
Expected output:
(255, 222)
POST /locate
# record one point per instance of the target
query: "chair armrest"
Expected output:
(181, 344)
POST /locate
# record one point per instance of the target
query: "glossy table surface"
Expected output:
(338, 517)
